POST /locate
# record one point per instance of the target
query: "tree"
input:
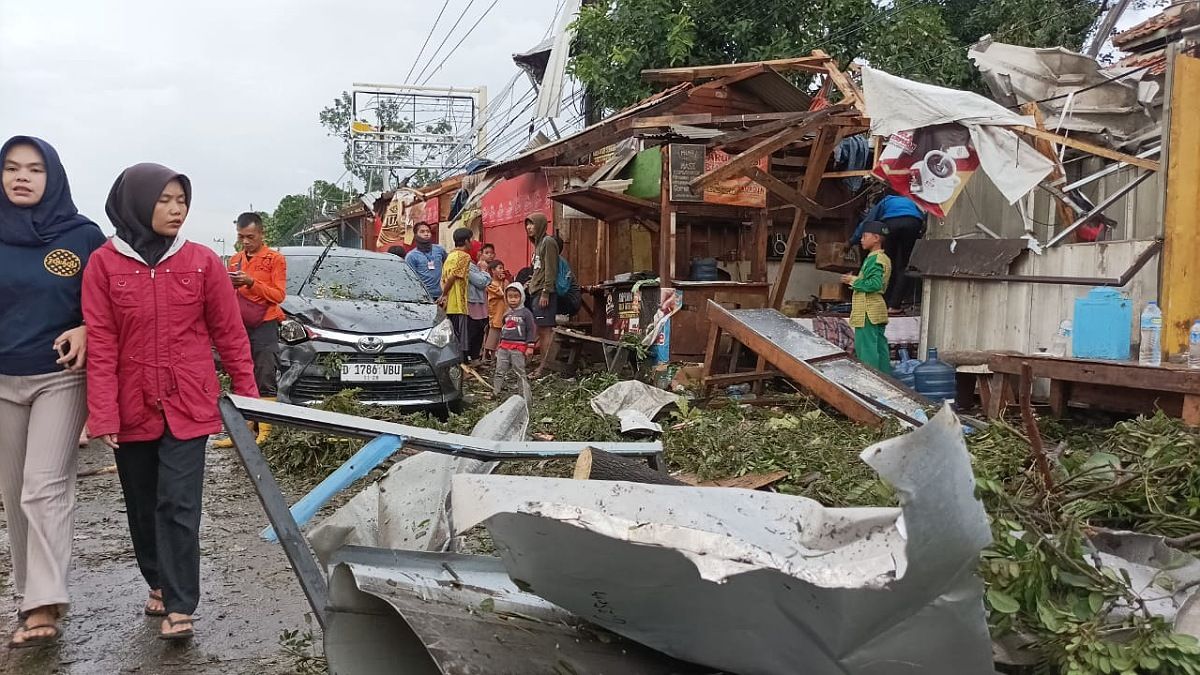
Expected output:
(337, 117)
(920, 39)
(296, 212)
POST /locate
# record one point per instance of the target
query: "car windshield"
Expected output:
(356, 278)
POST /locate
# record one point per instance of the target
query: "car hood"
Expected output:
(362, 316)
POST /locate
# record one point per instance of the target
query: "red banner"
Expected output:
(931, 165)
(505, 208)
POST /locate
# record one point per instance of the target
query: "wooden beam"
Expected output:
(758, 130)
(660, 121)
(1180, 285)
(1063, 211)
(781, 190)
(864, 173)
(1090, 148)
(814, 63)
(827, 140)
(853, 97)
(666, 239)
(758, 263)
(738, 164)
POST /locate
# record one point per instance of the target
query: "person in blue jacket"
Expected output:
(426, 259)
(906, 224)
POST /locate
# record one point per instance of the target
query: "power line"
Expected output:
(426, 43)
(460, 42)
(445, 38)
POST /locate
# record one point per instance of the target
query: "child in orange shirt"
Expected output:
(497, 306)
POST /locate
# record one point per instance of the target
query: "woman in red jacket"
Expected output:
(154, 305)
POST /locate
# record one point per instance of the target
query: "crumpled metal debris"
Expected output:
(634, 403)
(1165, 578)
(407, 508)
(754, 582)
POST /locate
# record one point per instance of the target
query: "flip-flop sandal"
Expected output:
(37, 640)
(181, 635)
(154, 612)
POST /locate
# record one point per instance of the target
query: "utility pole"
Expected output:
(1106, 27)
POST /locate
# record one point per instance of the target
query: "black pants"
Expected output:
(163, 481)
(264, 348)
(476, 331)
(902, 237)
(462, 333)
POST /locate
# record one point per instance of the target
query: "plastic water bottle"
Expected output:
(1150, 353)
(1194, 346)
(1061, 345)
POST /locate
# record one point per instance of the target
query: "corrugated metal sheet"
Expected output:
(776, 91)
(993, 316)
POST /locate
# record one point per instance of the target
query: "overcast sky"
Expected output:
(226, 92)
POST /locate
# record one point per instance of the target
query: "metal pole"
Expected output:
(1108, 201)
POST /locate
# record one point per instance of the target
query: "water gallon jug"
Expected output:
(904, 370)
(935, 379)
(704, 269)
(1103, 325)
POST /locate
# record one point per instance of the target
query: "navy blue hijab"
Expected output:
(50, 218)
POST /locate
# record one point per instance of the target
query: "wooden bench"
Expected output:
(616, 354)
(1118, 386)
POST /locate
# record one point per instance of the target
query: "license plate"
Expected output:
(372, 372)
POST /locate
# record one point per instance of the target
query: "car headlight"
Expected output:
(441, 334)
(292, 332)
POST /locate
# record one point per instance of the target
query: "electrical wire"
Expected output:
(461, 41)
(446, 38)
(428, 35)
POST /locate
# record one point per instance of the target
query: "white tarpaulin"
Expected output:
(756, 582)
(895, 104)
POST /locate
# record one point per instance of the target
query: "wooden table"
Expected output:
(1119, 386)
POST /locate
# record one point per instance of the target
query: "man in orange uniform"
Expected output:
(259, 274)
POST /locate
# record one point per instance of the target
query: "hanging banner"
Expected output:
(931, 165)
(735, 191)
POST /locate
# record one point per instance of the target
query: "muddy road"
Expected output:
(249, 594)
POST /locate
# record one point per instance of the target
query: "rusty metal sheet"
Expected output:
(975, 257)
(870, 384)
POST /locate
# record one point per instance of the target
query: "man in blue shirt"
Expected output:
(426, 259)
(905, 224)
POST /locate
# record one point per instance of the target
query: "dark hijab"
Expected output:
(50, 218)
(131, 203)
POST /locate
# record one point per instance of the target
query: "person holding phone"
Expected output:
(45, 243)
(259, 273)
(155, 306)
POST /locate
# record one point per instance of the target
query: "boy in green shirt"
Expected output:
(868, 311)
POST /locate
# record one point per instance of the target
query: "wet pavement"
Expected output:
(248, 592)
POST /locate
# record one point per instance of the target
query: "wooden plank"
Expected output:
(1063, 211)
(851, 93)
(1090, 148)
(812, 63)
(710, 356)
(661, 121)
(727, 379)
(1180, 288)
(666, 242)
(800, 372)
(786, 193)
(827, 140)
(1191, 411)
(750, 481)
(1176, 379)
(758, 250)
(739, 163)
(863, 173)
(757, 130)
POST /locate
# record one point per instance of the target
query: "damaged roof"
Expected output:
(1160, 28)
